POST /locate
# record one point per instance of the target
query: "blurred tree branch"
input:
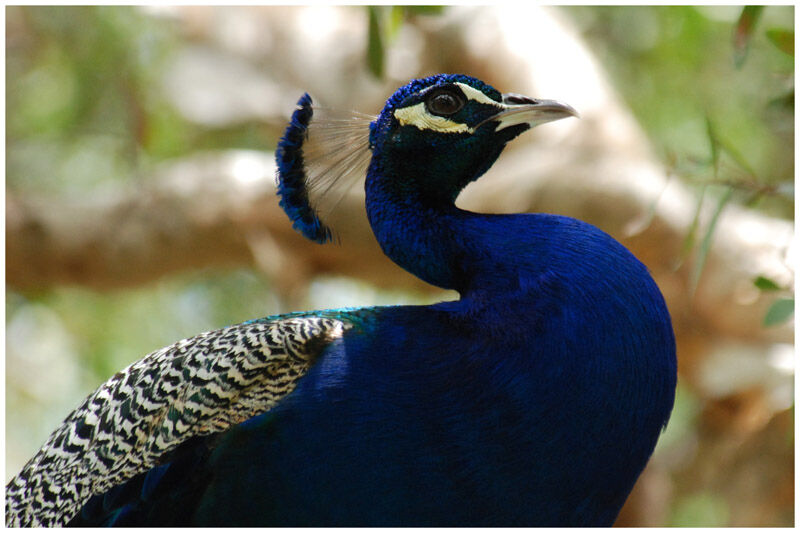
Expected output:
(195, 214)
(203, 212)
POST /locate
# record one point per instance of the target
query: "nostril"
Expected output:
(513, 98)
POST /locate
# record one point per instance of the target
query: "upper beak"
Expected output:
(518, 109)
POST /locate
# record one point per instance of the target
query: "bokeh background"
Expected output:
(140, 203)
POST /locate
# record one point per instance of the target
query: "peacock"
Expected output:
(534, 399)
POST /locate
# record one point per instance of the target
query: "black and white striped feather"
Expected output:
(197, 386)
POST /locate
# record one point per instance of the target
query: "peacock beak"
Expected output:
(518, 109)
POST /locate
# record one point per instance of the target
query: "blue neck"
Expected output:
(428, 239)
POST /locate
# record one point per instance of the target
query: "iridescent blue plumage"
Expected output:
(292, 186)
(535, 399)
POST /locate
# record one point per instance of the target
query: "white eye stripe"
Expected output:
(475, 95)
(417, 115)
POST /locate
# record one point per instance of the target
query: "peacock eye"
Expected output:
(444, 102)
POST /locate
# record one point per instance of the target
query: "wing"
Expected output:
(197, 386)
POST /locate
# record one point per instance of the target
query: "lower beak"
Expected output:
(519, 109)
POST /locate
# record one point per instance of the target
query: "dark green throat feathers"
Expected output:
(535, 399)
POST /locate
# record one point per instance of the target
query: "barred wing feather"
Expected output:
(195, 387)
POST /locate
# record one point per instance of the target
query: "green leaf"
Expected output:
(712, 137)
(783, 39)
(719, 146)
(705, 245)
(753, 198)
(736, 155)
(691, 234)
(744, 31)
(375, 45)
(785, 101)
(397, 15)
(700, 509)
(766, 284)
(779, 312)
(424, 10)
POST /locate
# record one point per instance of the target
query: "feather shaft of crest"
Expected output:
(318, 153)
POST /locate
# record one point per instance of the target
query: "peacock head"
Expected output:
(433, 137)
(437, 134)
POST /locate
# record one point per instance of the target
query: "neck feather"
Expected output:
(429, 239)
